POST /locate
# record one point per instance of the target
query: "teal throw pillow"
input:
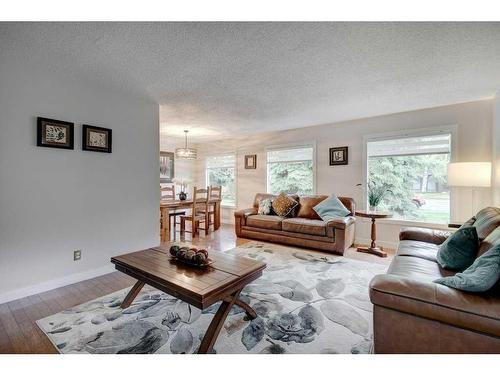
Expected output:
(459, 250)
(480, 277)
(331, 208)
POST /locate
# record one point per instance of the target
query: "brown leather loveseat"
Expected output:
(412, 314)
(303, 228)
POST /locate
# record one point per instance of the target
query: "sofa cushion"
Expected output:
(264, 221)
(480, 277)
(459, 250)
(349, 204)
(417, 268)
(306, 226)
(490, 241)
(478, 312)
(424, 250)
(259, 197)
(424, 235)
(301, 238)
(487, 223)
(306, 205)
(487, 220)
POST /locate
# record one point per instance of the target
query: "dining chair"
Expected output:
(199, 212)
(214, 192)
(168, 193)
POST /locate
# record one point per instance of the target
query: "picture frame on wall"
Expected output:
(167, 167)
(54, 133)
(339, 156)
(250, 161)
(95, 138)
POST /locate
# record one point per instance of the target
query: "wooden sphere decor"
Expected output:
(190, 255)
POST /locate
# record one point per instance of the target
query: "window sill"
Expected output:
(408, 223)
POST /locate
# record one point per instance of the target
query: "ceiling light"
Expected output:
(186, 152)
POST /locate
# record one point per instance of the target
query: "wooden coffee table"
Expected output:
(373, 248)
(222, 281)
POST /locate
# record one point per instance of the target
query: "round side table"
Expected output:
(373, 248)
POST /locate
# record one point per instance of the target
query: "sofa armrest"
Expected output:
(437, 302)
(424, 234)
(243, 214)
(240, 219)
(341, 222)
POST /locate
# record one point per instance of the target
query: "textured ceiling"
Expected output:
(220, 79)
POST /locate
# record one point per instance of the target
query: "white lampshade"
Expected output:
(471, 174)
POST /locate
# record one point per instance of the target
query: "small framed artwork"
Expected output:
(166, 167)
(54, 133)
(338, 156)
(250, 161)
(95, 138)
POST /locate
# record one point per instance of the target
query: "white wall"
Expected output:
(474, 131)
(54, 201)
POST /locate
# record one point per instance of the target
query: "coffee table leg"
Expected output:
(217, 322)
(248, 310)
(132, 294)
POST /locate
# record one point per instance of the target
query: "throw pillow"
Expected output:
(265, 206)
(459, 250)
(480, 277)
(331, 208)
(283, 205)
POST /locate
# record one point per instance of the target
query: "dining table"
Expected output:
(169, 205)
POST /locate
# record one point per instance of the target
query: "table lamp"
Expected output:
(470, 174)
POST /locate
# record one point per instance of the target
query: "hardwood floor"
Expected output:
(19, 332)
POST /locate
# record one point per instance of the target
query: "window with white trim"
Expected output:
(409, 175)
(221, 171)
(291, 170)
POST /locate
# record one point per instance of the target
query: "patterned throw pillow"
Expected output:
(283, 205)
(265, 206)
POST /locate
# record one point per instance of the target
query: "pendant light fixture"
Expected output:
(186, 152)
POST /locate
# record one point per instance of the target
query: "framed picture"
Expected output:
(97, 139)
(250, 161)
(166, 167)
(54, 133)
(338, 156)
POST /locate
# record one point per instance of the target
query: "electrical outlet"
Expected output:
(77, 255)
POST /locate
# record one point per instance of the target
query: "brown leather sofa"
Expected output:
(411, 314)
(303, 228)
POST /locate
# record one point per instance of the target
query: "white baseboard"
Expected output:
(53, 284)
(367, 241)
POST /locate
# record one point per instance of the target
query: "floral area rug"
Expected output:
(306, 301)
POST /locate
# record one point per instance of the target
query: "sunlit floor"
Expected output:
(20, 334)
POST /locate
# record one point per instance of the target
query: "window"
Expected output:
(220, 171)
(413, 172)
(290, 170)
